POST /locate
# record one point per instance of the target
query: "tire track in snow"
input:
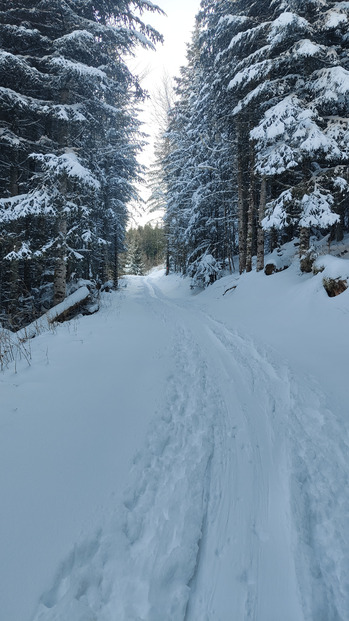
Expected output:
(246, 564)
(317, 469)
(293, 547)
(320, 489)
(261, 567)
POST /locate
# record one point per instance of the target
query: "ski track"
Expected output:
(223, 517)
(247, 508)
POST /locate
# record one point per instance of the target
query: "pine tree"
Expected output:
(295, 136)
(134, 261)
(69, 139)
(258, 136)
(201, 208)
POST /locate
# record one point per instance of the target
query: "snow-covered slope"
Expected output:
(181, 457)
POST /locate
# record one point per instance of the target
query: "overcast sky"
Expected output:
(176, 27)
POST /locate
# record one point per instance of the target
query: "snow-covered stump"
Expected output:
(335, 273)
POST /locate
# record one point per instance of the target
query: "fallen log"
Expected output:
(57, 313)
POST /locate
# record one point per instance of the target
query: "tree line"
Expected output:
(146, 248)
(254, 151)
(256, 148)
(69, 142)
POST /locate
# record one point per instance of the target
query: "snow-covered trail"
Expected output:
(247, 565)
(276, 538)
(202, 479)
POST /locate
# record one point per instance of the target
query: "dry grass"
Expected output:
(334, 286)
(13, 349)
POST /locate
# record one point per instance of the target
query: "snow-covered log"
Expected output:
(54, 314)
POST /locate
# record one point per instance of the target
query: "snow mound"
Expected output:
(332, 267)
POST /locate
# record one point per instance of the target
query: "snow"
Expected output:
(288, 131)
(43, 323)
(69, 164)
(70, 111)
(334, 19)
(251, 73)
(279, 28)
(316, 210)
(24, 252)
(142, 39)
(340, 183)
(264, 87)
(276, 211)
(65, 112)
(232, 19)
(79, 68)
(9, 137)
(305, 47)
(83, 36)
(330, 84)
(10, 96)
(181, 456)
(251, 59)
(34, 203)
(245, 35)
(332, 267)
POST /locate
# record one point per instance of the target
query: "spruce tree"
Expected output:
(258, 136)
(134, 261)
(69, 141)
(295, 128)
(201, 208)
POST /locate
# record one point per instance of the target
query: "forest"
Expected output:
(256, 148)
(254, 153)
(69, 143)
(181, 454)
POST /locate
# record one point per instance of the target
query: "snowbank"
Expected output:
(332, 267)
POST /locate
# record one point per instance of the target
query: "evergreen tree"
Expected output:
(258, 134)
(151, 243)
(134, 262)
(69, 141)
(201, 208)
(293, 127)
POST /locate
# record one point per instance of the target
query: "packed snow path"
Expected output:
(236, 505)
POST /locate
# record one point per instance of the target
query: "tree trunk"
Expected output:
(228, 251)
(60, 275)
(274, 239)
(304, 239)
(241, 214)
(14, 187)
(116, 263)
(260, 231)
(339, 233)
(250, 212)
(167, 257)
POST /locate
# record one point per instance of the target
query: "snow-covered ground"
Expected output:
(181, 457)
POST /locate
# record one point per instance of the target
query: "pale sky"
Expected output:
(176, 28)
